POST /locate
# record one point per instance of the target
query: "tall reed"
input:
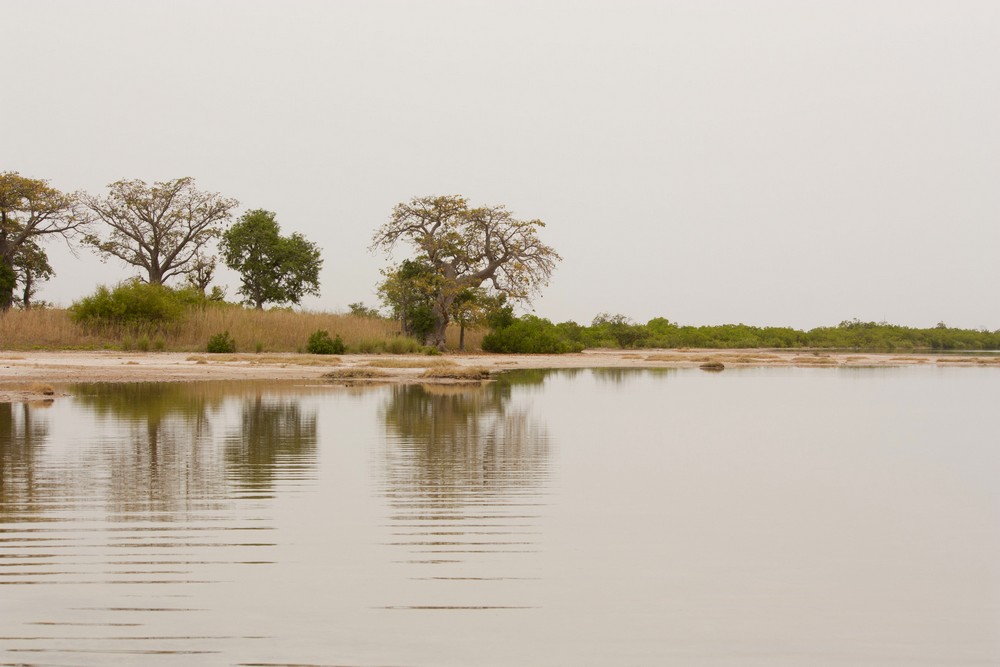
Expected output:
(254, 331)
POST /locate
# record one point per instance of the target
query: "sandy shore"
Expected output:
(28, 375)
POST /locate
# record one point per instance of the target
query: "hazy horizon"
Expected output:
(774, 163)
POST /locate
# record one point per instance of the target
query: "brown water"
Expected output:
(753, 517)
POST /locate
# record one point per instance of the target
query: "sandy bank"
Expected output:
(24, 375)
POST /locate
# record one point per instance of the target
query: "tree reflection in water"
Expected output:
(274, 436)
(22, 433)
(461, 436)
(465, 468)
(173, 461)
(168, 464)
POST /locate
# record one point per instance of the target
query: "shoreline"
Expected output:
(27, 376)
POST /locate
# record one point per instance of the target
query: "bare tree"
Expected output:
(32, 210)
(158, 228)
(470, 247)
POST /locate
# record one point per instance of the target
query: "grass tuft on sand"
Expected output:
(355, 373)
(457, 373)
(410, 363)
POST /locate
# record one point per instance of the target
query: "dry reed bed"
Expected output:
(254, 331)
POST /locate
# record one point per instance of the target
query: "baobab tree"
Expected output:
(469, 248)
(159, 228)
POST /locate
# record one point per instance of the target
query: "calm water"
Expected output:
(753, 517)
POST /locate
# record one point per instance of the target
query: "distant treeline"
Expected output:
(530, 334)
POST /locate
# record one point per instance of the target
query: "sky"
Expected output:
(779, 163)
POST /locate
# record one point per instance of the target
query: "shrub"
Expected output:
(530, 335)
(134, 303)
(401, 345)
(221, 343)
(321, 343)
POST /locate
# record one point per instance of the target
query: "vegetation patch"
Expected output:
(221, 343)
(134, 304)
(355, 373)
(410, 363)
(321, 343)
(815, 361)
(270, 359)
(457, 373)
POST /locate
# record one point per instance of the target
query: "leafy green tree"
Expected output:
(473, 308)
(468, 248)
(273, 268)
(408, 292)
(159, 228)
(619, 328)
(31, 210)
(31, 267)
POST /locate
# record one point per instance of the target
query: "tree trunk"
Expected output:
(7, 281)
(26, 295)
(440, 323)
(461, 336)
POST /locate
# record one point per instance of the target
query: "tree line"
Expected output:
(469, 260)
(531, 334)
(469, 266)
(162, 230)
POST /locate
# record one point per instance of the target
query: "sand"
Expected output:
(26, 376)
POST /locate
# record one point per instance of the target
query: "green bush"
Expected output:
(221, 343)
(321, 343)
(530, 335)
(134, 303)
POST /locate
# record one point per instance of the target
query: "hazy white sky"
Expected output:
(774, 163)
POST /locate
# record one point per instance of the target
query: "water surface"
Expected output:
(589, 517)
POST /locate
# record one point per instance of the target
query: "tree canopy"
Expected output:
(31, 267)
(467, 248)
(158, 228)
(31, 210)
(273, 268)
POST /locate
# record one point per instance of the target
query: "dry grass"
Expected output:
(722, 357)
(457, 373)
(254, 331)
(409, 363)
(815, 360)
(354, 373)
(979, 361)
(268, 359)
(667, 357)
